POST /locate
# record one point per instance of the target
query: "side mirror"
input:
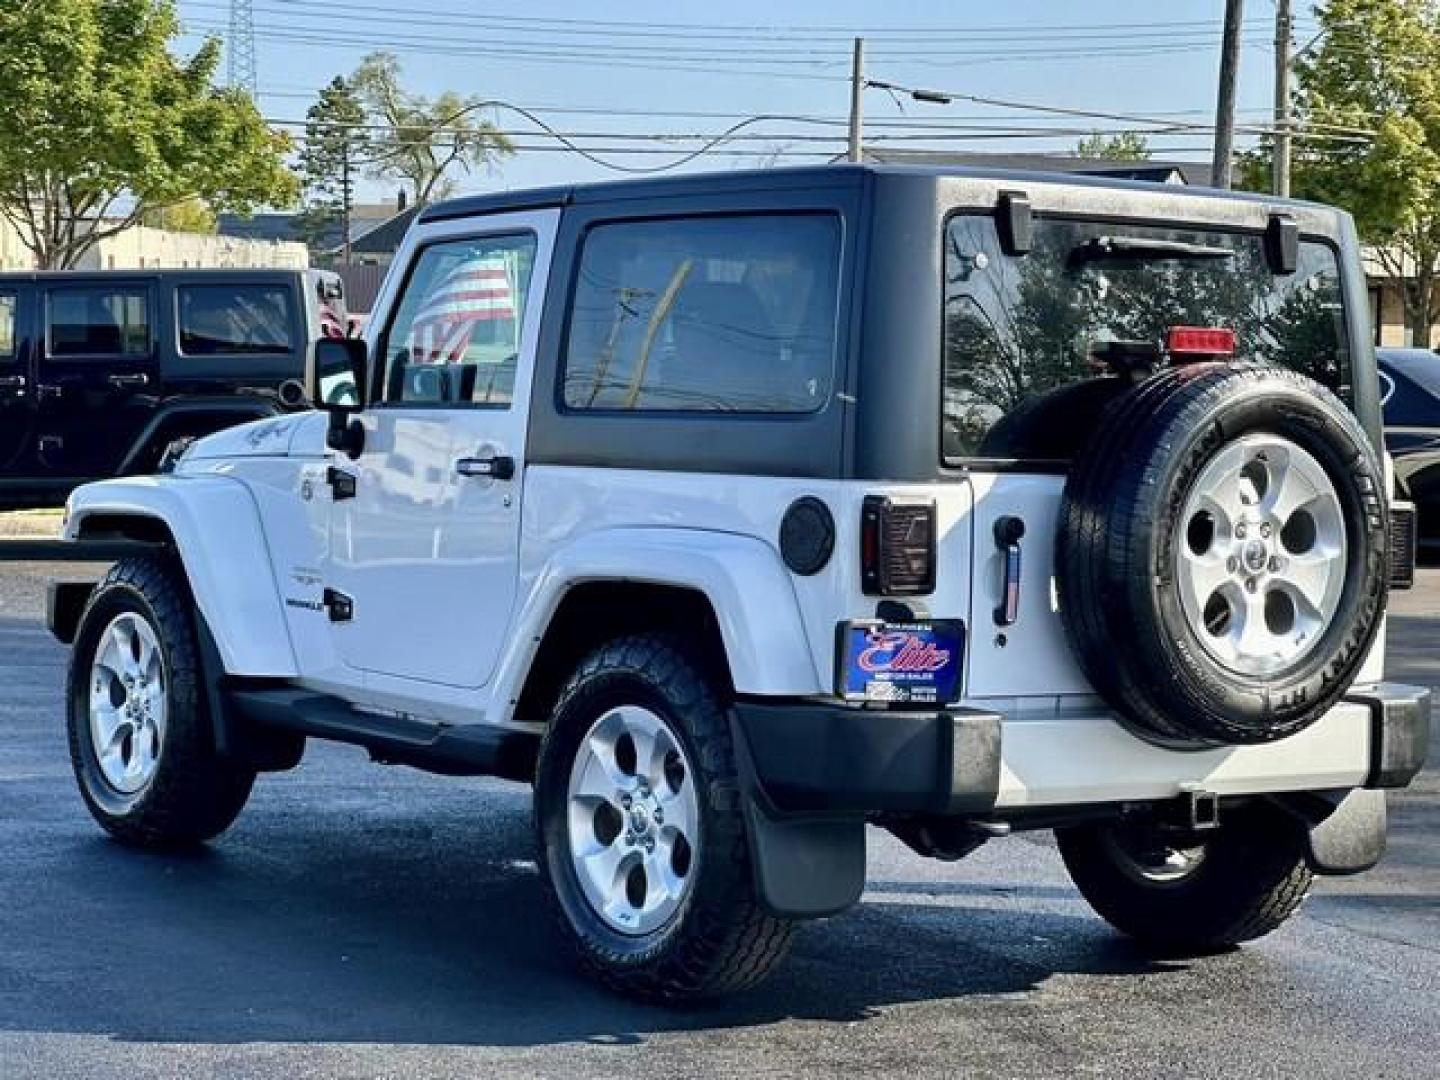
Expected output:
(338, 378)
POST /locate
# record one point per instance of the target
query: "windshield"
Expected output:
(1091, 296)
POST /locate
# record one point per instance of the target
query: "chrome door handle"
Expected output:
(121, 382)
(12, 382)
(493, 468)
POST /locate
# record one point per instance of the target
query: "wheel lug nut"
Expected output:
(659, 816)
(1265, 530)
(1240, 531)
(630, 838)
(625, 801)
(649, 843)
(1275, 562)
(1250, 584)
(1232, 564)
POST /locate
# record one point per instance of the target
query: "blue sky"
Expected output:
(1124, 56)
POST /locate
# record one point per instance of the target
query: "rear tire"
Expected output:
(141, 739)
(1195, 895)
(648, 914)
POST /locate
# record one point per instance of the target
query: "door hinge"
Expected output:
(340, 606)
(342, 483)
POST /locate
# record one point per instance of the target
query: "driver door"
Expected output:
(426, 550)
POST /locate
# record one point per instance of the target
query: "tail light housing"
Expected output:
(897, 547)
(1403, 545)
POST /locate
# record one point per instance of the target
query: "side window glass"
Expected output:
(99, 322)
(713, 314)
(456, 336)
(7, 328)
(235, 319)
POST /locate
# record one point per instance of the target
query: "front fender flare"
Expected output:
(215, 524)
(743, 579)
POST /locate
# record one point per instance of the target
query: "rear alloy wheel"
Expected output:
(641, 829)
(1191, 893)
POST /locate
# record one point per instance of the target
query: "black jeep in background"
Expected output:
(100, 372)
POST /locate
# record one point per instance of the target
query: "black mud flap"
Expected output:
(1344, 830)
(805, 869)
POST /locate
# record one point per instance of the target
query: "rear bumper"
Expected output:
(807, 759)
(1399, 731)
(813, 759)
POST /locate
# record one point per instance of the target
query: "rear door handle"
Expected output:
(12, 382)
(121, 382)
(500, 467)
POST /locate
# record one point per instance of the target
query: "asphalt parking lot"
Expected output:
(361, 922)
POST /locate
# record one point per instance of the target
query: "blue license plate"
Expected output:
(915, 663)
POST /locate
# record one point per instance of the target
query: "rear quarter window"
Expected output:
(705, 314)
(232, 320)
(1024, 334)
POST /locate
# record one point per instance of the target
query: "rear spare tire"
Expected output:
(1221, 554)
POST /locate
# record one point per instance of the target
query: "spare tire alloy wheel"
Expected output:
(127, 703)
(632, 820)
(1221, 554)
(1262, 563)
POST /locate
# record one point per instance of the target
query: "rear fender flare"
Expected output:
(216, 529)
(758, 614)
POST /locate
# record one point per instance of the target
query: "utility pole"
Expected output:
(1281, 183)
(1225, 103)
(856, 151)
(345, 190)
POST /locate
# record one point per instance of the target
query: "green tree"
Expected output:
(336, 145)
(1122, 146)
(1372, 82)
(191, 215)
(423, 141)
(102, 125)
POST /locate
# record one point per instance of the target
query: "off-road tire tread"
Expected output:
(195, 795)
(729, 941)
(1238, 895)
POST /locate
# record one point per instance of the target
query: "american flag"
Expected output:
(477, 291)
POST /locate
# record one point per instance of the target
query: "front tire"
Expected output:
(639, 818)
(1191, 895)
(141, 739)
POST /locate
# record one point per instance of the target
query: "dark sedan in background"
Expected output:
(1410, 390)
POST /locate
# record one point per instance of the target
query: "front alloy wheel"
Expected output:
(128, 703)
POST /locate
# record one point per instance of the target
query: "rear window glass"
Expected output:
(1022, 333)
(99, 322)
(717, 314)
(235, 319)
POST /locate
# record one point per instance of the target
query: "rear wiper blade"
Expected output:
(1135, 247)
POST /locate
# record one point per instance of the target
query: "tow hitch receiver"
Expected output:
(1199, 810)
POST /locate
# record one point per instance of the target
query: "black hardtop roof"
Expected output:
(835, 176)
(261, 273)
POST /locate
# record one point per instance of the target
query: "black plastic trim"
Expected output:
(451, 750)
(816, 759)
(24, 549)
(64, 604)
(1399, 731)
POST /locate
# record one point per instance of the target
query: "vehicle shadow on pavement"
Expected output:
(372, 917)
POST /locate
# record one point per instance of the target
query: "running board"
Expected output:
(449, 749)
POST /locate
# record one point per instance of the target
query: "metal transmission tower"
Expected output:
(241, 45)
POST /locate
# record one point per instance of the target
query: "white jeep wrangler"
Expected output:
(737, 512)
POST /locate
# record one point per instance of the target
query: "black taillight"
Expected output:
(897, 547)
(1403, 541)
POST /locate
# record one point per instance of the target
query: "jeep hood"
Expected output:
(271, 437)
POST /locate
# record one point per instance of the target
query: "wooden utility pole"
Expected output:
(1281, 183)
(1225, 103)
(346, 199)
(856, 151)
